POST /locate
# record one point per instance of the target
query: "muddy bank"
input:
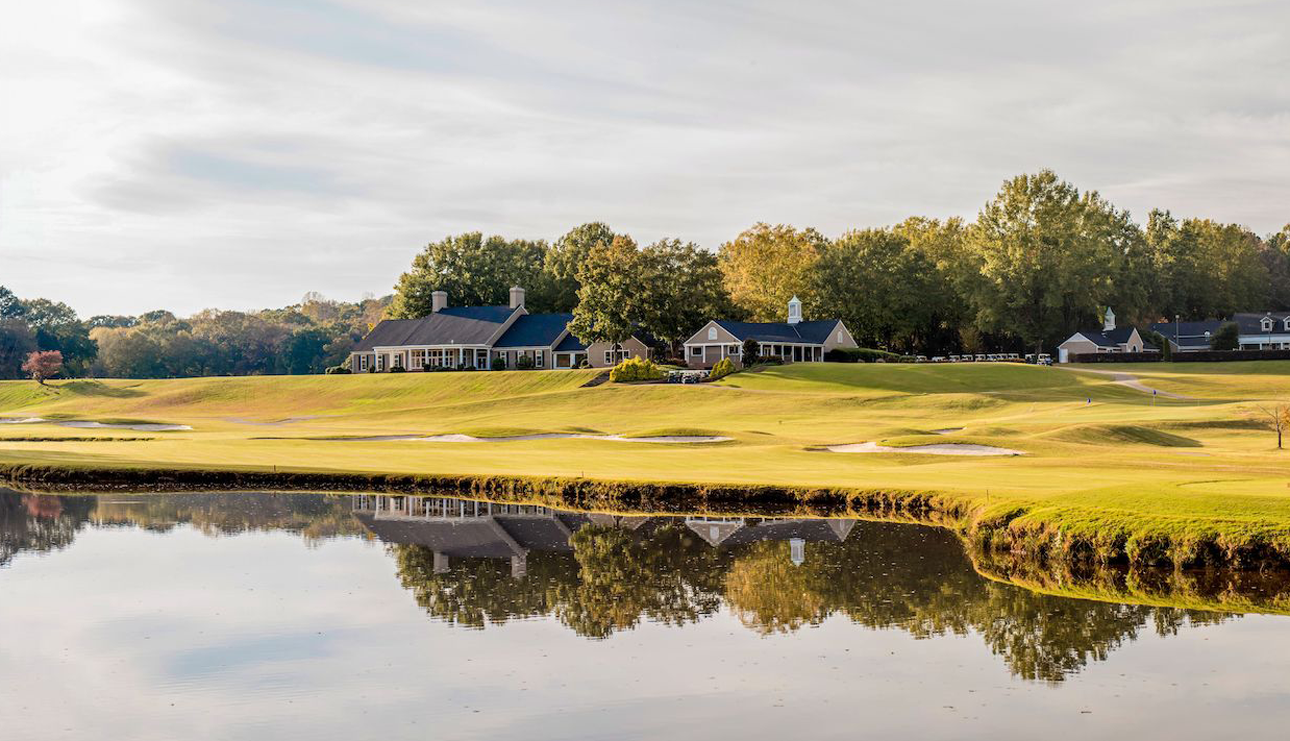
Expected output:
(985, 530)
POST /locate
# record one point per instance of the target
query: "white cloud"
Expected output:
(156, 153)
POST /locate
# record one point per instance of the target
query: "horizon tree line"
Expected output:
(1041, 260)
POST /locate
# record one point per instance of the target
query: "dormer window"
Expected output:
(1286, 324)
(1266, 323)
(712, 333)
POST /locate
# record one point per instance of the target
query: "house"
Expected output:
(485, 337)
(792, 341)
(1108, 339)
(1187, 336)
(1267, 331)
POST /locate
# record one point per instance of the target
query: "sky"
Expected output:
(186, 154)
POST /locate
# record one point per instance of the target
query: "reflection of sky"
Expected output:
(135, 635)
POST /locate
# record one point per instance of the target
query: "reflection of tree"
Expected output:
(622, 579)
(313, 516)
(884, 576)
(38, 522)
(477, 591)
(770, 594)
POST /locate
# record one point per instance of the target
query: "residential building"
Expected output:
(1108, 339)
(1267, 331)
(793, 341)
(485, 337)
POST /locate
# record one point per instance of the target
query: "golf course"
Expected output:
(1146, 464)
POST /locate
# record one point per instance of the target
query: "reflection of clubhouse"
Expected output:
(459, 528)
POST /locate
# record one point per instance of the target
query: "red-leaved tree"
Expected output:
(43, 364)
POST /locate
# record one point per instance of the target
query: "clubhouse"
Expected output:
(793, 341)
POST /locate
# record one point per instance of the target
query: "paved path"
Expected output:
(1127, 379)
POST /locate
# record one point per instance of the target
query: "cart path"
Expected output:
(1127, 379)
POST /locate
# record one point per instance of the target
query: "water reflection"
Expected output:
(479, 564)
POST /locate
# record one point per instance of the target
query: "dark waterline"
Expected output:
(248, 616)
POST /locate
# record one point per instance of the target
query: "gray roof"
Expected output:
(1108, 338)
(466, 325)
(816, 333)
(1251, 323)
(1187, 334)
(496, 536)
(534, 330)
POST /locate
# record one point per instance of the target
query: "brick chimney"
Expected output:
(517, 297)
(438, 301)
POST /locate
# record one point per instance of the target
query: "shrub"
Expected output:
(338, 370)
(524, 362)
(860, 355)
(1228, 337)
(499, 363)
(723, 368)
(398, 369)
(636, 369)
(750, 352)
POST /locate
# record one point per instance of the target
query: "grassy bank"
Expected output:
(1109, 473)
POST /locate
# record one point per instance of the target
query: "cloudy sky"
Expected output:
(238, 153)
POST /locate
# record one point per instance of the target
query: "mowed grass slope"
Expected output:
(1103, 461)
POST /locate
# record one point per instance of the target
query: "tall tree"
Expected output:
(682, 289)
(1047, 256)
(16, 343)
(878, 286)
(10, 306)
(57, 327)
(612, 293)
(766, 266)
(473, 270)
(565, 258)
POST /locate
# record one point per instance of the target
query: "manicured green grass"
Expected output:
(1104, 463)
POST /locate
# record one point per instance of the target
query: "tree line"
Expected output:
(306, 337)
(1041, 260)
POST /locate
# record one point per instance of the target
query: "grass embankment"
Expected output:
(1109, 473)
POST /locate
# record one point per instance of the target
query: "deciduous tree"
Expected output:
(612, 294)
(43, 364)
(766, 266)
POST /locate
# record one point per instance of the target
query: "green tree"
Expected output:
(473, 270)
(1047, 256)
(57, 327)
(881, 288)
(16, 343)
(565, 258)
(682, 289)
(10, 306)
(766, 266)
(1228, 337)
(612, 295)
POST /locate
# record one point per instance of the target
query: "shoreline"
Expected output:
(1019, 531)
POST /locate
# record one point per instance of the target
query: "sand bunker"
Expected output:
(142, 427)
(938, 449)
(21, 420)
(574, 436)
(457, 438)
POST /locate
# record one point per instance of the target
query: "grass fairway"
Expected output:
(1106, 467)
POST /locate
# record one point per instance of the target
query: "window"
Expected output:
(696, 351)
(734, 350)
(418, 359)
(1266, 323)
(712, 333)
(380, 363)
(362, 362)
(840, 336)
(609, 357)
(538, 359)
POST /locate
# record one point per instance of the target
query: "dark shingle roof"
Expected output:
(534, 330)
(1253, 323)
(1108, 338)
(570, 344)
(490, 537)
(810, 332)
(472, 325)
(1187, 334)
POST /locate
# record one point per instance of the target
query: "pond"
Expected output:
(301, 616)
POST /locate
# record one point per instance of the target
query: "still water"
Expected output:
(263, 616)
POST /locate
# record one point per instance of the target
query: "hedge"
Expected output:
(1200, 356)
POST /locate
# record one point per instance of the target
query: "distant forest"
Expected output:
(1041, 260)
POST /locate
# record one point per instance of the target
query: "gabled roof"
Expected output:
(497, 536)
(570, 344)
(1188, 334)
(534, 330)
(816, 333)
(1251, 323)
(1106, 338)
(464, 325)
